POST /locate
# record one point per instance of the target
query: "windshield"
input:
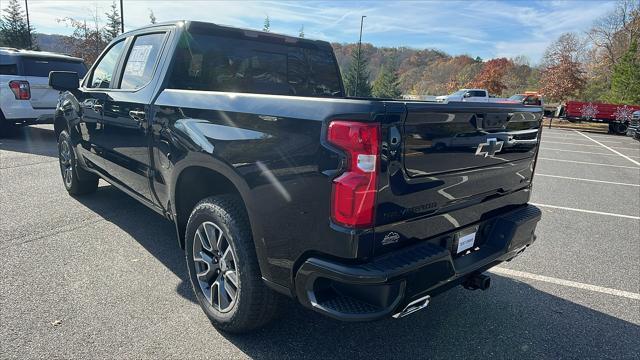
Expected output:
(517, 97)
(459, 92)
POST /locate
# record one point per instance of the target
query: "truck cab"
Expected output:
(466, 95)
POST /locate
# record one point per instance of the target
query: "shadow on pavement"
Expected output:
(510, 320)
(36, 140)
(152, 231)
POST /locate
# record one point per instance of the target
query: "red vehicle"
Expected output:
(617, 116)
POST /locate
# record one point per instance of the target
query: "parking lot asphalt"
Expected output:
(101, 276)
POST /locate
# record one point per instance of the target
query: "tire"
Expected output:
(76, 180)
(7, 128)
(619, 128)
(240, 302)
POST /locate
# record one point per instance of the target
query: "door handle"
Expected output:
(137, 115)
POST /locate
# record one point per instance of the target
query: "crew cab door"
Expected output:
(92, 97)
(125, 139)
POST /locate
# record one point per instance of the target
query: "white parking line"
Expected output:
(579, 140)
(608, 148)
(576, 144)
(589, 163)
(587, 211)
(563, 282)
(588, 180)
(569, 134)
(583, 152)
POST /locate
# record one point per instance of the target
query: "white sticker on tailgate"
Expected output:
(466, 242)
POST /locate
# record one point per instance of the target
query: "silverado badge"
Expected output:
(391, 238)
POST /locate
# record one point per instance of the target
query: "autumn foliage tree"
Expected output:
(562, 80)
(87, 40)
(492, 76)
(563, 75)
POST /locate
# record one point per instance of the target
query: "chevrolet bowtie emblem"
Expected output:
(489, 148)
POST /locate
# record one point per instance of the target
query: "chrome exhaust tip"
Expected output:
(413, 306)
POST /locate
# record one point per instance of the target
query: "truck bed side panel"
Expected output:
(270, 147)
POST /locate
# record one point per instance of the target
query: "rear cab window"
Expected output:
(8, 69)
(41, 67)
(236, 63)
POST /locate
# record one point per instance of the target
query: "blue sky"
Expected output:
(487, 29)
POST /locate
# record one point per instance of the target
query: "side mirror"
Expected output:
(467, 95)
(64, 80)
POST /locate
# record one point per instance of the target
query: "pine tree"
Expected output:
(267, 24)
(114, 23)
(14, 31)
(625, 77)
(301, 32)
(356, 81)
(152, 17)
(386, 84)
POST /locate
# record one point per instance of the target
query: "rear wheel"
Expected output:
(619, 128)
(223, 267)
(76, 180)
(7, 128)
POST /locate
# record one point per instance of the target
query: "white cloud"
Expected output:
(488, 29)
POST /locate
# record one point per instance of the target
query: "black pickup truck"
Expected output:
(280, 184)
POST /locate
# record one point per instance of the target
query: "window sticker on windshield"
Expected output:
(138, 59)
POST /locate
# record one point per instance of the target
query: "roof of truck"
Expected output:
(226, 28)
(8, 51)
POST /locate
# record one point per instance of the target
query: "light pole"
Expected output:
(26, 7)
(121, 17)
(355, 91)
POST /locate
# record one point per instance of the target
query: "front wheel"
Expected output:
(223, 267)
(76, 180)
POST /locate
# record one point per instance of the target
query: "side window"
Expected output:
(8, 69)
(103, 73)
(141, 61)
(478, 93)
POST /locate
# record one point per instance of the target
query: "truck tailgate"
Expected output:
(456, 164)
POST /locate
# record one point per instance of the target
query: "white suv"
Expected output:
(25, 95)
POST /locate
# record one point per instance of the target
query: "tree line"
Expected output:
(602, 64)
(88, 37)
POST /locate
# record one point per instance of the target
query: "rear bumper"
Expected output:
(21, 111)
(383, 286)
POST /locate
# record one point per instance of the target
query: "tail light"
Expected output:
(20, 89)
(354, 192)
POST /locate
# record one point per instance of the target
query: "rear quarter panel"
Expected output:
(270, 147)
